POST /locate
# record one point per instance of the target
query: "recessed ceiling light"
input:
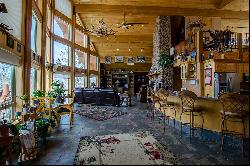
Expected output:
(142, 25)
(117, 49)
(129, 49)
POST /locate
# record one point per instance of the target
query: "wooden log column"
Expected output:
(43, 48)
(27, 52)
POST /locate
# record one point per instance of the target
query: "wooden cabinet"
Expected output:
(188, 70)
(226, 67)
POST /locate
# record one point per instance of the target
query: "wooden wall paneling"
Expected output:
(159, 10)
(223, 3)
(239, 45)
(246, 68)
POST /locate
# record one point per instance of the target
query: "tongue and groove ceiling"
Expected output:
(146, 11)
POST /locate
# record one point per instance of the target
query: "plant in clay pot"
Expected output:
(57, 92)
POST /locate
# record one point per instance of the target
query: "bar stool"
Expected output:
(151, 108)
(188, 99)
(234, 109)
(166, 105)
(155, 100)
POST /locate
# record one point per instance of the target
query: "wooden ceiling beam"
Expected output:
(223, 3)
(155, 10)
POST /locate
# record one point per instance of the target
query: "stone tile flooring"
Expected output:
(61, 146)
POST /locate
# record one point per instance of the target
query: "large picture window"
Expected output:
(64, 6)
(61, 54)
(79, 38)
(80, 59)
(94, 63)
(33, 80)
(61, 28)
(6, 90)
(64, 79)
(34, 33)
(93, 80)
(80, 82)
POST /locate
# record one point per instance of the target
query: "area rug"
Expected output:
(100, 113)
(139, 148)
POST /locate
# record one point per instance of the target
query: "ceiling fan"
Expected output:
(126, 25)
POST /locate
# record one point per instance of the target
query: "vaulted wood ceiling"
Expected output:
(91, 11)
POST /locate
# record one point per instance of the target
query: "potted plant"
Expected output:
(36, 95)
(42, 125)
(57, 91)
(24, 99)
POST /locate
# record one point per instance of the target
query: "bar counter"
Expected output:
(211, 112)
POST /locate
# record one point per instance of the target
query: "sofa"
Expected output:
(95, 96)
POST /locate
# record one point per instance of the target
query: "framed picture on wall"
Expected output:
(119, 59)
(208, 76)
(108, 60)
(19, 47)
(10, 41)
(130, 60)
(140, 59)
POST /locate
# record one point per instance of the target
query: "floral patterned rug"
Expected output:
(99, 113)
(139, 148)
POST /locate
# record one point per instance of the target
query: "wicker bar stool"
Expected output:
(165, 105)
(151, 108)
(155, 100)
(188, 99)
(234, 109)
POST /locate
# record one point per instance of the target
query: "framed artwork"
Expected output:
(130, 60)
(119, 59)
(19, 47)
(140, 59)
(208, 76)
(10, 42)
(108, 60)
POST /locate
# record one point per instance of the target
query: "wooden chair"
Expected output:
(188, 99)
(234, 109)
(65, 109)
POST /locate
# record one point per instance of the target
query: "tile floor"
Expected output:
(61, 146)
